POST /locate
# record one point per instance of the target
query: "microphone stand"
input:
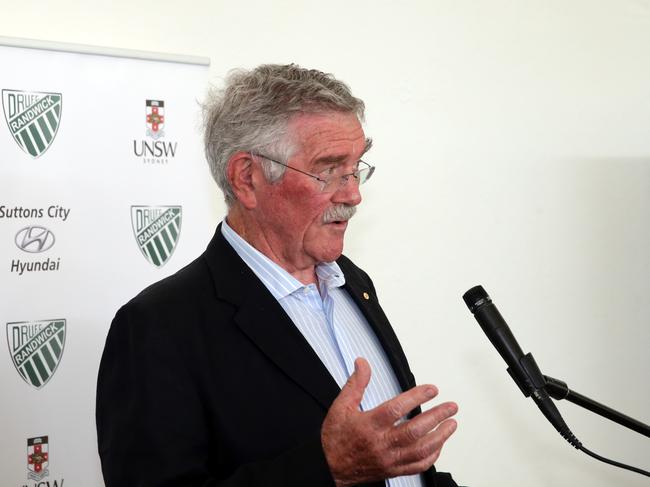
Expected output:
(541, 388)
(558, 389)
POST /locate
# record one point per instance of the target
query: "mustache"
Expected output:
(339, 213)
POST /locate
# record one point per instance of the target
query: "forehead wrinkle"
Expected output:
(327, 144)
(339, 159)
(343, 157)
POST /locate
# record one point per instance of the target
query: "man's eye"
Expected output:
(329, 171)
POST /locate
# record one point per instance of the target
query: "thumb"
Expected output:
(353, 390)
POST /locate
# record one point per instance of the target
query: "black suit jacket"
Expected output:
(205, 381)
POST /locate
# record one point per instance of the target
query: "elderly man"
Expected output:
(268, 360)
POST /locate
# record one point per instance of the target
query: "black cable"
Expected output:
(553, 415)
(612, 462)
(566, 433)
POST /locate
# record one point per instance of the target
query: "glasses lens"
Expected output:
(365, 173)
(334, 183)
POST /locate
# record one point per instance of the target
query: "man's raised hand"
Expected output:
(365, 446)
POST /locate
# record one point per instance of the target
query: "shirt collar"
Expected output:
(277, 280)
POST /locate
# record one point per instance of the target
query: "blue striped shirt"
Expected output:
(331, 323)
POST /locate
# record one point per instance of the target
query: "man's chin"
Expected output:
(331, 253)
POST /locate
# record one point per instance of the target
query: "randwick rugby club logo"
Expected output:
(156, 230)
(155, 150)
(33, 118)
(36, 348)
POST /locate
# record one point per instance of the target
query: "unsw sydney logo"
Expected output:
(155, 150)
(33, 118)
(156, 230)
(38, 462)
(38, 458)
(36, 348)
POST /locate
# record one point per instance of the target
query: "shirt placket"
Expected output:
(324, 306)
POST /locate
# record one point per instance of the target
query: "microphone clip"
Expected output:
(533, 380)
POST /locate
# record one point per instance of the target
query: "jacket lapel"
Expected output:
(265, 323)
(365, 298)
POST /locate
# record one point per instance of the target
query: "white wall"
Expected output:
(512, 141)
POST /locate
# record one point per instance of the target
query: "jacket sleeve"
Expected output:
(153, 428)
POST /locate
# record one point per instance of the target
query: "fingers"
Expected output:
(424, 453)
(391, 411)
(414, 429)
(367, 446)
(416, 444)
(352, 392)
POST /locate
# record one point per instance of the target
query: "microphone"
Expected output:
(521, 367)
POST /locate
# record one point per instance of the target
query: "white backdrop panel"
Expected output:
(91, 169)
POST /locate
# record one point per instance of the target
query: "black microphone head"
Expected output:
(475, 297)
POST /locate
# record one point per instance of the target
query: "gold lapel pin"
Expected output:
(366, 296)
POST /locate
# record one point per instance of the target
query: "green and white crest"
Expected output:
(156, 230)
(36, 348)
(33, 118)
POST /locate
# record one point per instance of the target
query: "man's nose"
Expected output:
(348, 192)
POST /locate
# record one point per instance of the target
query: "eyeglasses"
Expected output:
(328, 179)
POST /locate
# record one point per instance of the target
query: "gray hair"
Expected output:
(251, 112)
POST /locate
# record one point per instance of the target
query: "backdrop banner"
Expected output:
(104, 189)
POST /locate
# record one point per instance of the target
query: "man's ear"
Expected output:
(240, 176)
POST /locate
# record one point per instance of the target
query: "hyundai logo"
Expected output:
(34, 239)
